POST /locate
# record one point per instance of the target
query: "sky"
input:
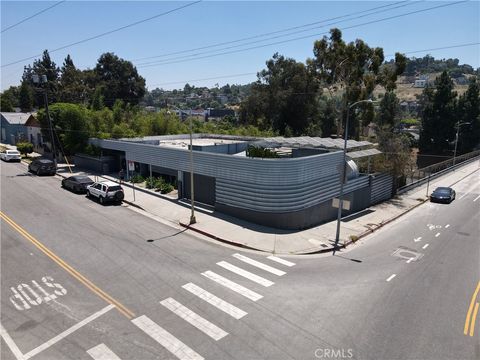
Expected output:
(191, 31)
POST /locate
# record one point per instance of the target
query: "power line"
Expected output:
(32, 16)
(267, 34)
(108, 32)
(166, 62)
(211, 78)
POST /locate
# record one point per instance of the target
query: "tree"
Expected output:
(71, 87)
(25, 148)
(6, 102)
(468, 112)
(388, 109)
(438, 117)
(119, 80)
(353, 68)
(283, 97)
(26, 97)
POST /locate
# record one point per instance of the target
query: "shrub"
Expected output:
(137, 178)
(166, 188)
(353, 238)
(150, 182)
(25, 148)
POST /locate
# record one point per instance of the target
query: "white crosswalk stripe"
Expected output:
(232, 285)
(259, 265)
(220, 304)
(194, 319)
(246, 274)
(102, 352)
(281, 261)
(164, 338)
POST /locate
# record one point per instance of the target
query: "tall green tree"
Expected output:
(26, 97)
(388, 109)
(468, 113)
(354, 69)
(71, 87)
(119, 79)
(438, 117)
(283, 98)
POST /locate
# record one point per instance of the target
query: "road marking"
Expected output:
(102, 352)
(67, 332)
(474, 317)
(129, 314)
(425, 246)
(478, 197)
(391, 277)
(10, 343)
(246, 274)
(417, 239)
(437, 234)
(215, 301)
(167, 340)
(194, 319)
(410, 260)
(447, 226)
(232, 285)
(281, 261)
(470, 309)
(260, 265)
(461, 197)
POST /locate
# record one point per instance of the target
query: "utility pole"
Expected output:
(43, 80)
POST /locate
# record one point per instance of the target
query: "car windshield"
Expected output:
(84, 180)
(442, 191)
(13, 152)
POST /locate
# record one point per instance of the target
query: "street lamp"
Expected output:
(456, 139)
(344, 171)
(193, 220)
(43, 80)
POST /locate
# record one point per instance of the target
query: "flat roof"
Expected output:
(207, 141)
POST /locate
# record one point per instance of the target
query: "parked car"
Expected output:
(10, 155)
(77, 183)
(106, 191)
(443, 194)
(42, 167)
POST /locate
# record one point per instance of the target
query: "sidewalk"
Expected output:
(242, 233)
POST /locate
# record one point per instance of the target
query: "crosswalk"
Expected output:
(217, 283)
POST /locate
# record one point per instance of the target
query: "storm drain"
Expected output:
(404, 252)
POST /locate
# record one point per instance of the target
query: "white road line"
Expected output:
(281, 261)
(215, 301)
(425, 246)
(102, 352)
(410, 260)
(417, 239)
(260, 265)
(194, 319)
(447, 226)
(461, 197)
(246, 274)
(67, 332)
(478, 197)
(10, 343)
(232, 285)
(167, 340)
(437, 234)
(391, 277)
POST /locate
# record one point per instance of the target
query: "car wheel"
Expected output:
(102, 200)
(119, 196)
(88, 194)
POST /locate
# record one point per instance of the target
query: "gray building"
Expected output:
(12, 127)
(292, 191)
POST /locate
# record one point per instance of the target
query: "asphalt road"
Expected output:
(80, 281)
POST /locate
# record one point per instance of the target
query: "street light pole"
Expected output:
(344, 171)
(456, 139)
(192, 195)
(43, 80)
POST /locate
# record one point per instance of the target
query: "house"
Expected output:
(34, 134)
(420, 83)
(13, 127)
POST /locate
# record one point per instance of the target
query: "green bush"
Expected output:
(150, 182)
(166, 188)
(137, 178)
(25, 148)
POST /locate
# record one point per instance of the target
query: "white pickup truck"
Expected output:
(106, 191)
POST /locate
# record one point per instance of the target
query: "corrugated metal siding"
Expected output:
(282, 198)
(381, 188)
(254, 171)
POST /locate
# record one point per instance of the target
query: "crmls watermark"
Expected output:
(330, 353)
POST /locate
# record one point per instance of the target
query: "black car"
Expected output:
(77, 183)
(42, 167)
(443, 194)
